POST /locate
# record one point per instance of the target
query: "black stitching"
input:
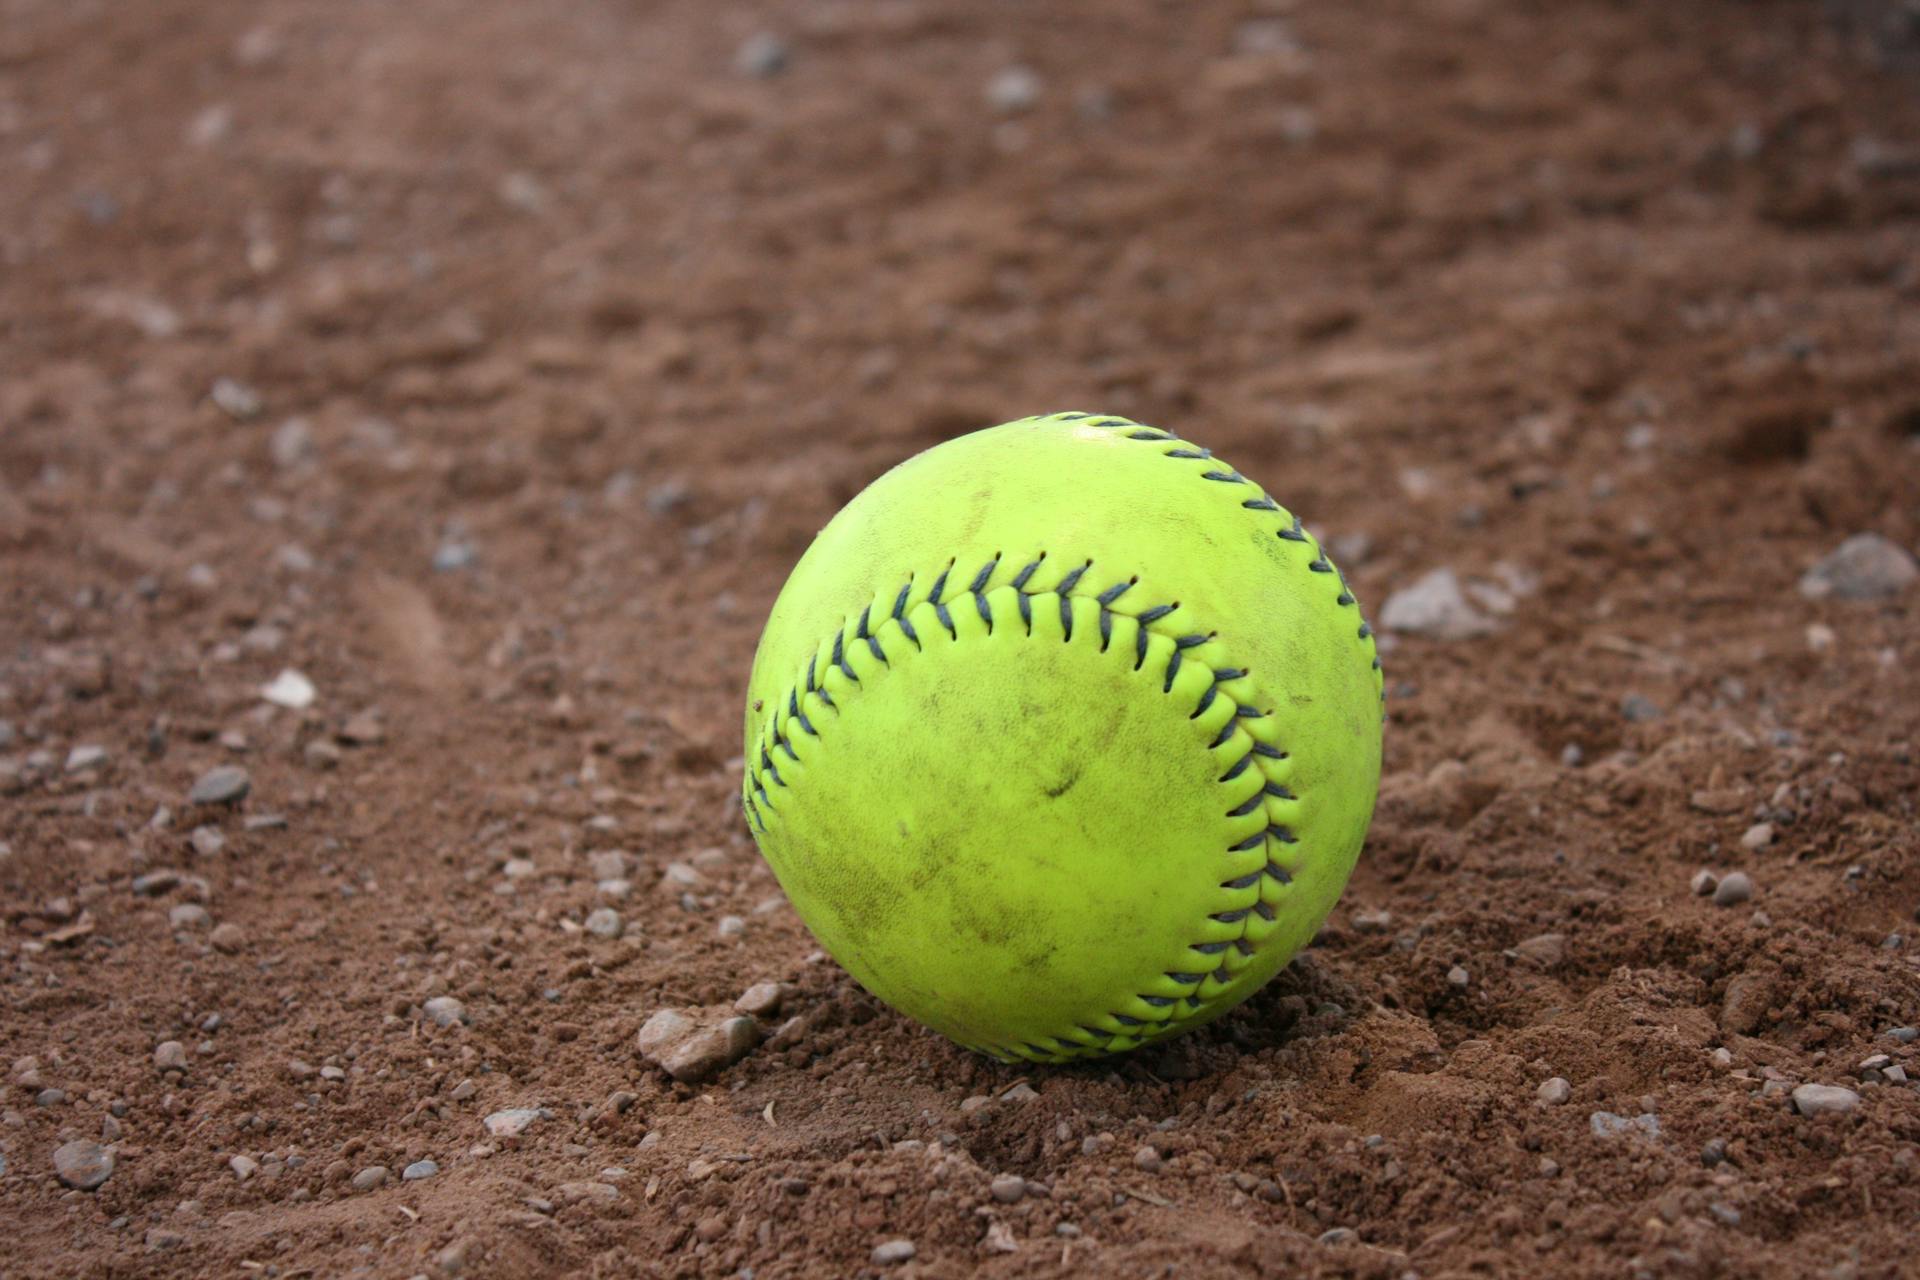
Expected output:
(1020, 579)
(1148, 435)
(1365, 630)
(1277, 791)
(1229, 673)
(1243, 882)
(1188, 642)
(1106, 629)
(787, 747)
(810, 681)
(1140, 647)
(1283, 834)
(986, 571)
(1296, 533)
(1026, 611)
(1072, 580)
(1344, 598)
(946, 619)
(1206, 700)
(1254, 801)
(1107, 597)
(1126, 1021)
(840, 658)
(822, 694)
(1261, 503)
(1262, 910)
(1251, 843)
(1319, 565)
(1066, 617)
(1232, 917)
(1158, 1002)
(900, 602)
(1072, 417)
(1208, 948)
(1158, 612)
(1271, 753)
(1239, 766)
(986, 614)
(940, 584)
(1226, 734)
(1173, 669)
(1225, 477)
(1244, 712)
(1278, 872)
(1196, 455)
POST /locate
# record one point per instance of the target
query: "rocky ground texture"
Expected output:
(407, 413)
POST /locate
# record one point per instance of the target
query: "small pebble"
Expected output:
(1757, 836)
(83, 1165)
(243, 1167)
(1714, 1153)
(83, 758)
(226, 784)
(228, 938)
(369, 1178)
(170, 1055)
(1458, 977)
(511, 1123)
(1014, 90)
(1734, 888)
(1148, 1160)
(207, 841)
(604, 922)
(419, 1169)
(891, 1252)
(1008, 1188)
(1554, 1092)
(189, 915)
(761, 1000)
(1864, 567)
(1704, 883)
(761, 55)
(1824, 1100)
(1607, 1125)
(1639, 709)
(444, 1011)
(1339, 1235)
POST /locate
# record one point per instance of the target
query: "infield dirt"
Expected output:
(489, 364)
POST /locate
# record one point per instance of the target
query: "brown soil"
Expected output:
(1612, 304)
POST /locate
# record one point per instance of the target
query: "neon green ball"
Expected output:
(1063, 737)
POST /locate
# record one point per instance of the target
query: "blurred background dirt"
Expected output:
(488, 364)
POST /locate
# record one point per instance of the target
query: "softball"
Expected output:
(1063, 737)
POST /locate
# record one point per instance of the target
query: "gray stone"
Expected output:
(243, 1167)
(419, 1169)
(228, 939)
(1637, 708)
(87, 757)
(1008, 1188)
(762, 55)
(83, 1165)
(1757, 836)
(1545, 950)
(891, 1252)
(444, 1011)
(1435, 605)
(1148, 1160)
(608, 864)
(454, 554)
(1554, 1092)
(512, 1122)
(1735, 888)
(369, 1178)
(170, 1055)
(708, 1050)
(155, 883)
(1608, 1126)
(1704, 882)
(1824, 1100)
(1014, 90)
(1864, 567)
(207, 841)
(223, 784)
(236, 399)
(604, 922)
(1458, 977)
(189, 915)
(761, 1000)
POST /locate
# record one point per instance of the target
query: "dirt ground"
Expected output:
(488, 364)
